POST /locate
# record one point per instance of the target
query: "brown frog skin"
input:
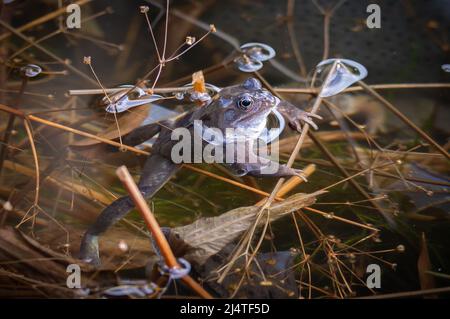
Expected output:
(243, 106)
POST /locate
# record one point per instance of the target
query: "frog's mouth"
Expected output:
(215, 136)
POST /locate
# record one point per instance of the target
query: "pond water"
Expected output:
(402, 173)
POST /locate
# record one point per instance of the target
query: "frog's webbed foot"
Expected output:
(156, 172)
(296, 116)
(304, 117)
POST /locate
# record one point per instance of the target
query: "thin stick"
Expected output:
(392, 86)
(291, 183)
(152, 224)
(35, 157)
(293, 38)
(313, 91)
(47, 52)
(407, 121)
(10, 124)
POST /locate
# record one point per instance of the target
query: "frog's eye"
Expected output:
(245, 102)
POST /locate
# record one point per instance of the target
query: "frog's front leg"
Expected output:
(295, 115)
(156, 172)
(265, 168)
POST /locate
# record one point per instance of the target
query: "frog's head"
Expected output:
(243, 107)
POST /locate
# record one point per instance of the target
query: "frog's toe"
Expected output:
(301, 174)
(309, 120)
(89, 250)
(314, 115)
(296, 126)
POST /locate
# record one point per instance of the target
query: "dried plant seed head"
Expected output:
(144, 9)
(400, 248)
(351, 258)
(8, 206)
(433, 24)
(329, 215)
(87, 60)
(190, 40)
(212, 28)
(123, 246)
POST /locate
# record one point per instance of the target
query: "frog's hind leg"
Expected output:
(156, 172)
(142, 134)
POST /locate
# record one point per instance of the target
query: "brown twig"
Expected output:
(393, 86)
(152, 224)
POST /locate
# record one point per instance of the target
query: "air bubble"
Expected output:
(31, 70)
(127, 98)
(344, 74)
(245, 64)
(258, 51)
(179, 95)
(446, 68)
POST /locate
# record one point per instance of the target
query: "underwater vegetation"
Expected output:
(95, 203)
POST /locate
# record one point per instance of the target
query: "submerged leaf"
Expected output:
(210, 235)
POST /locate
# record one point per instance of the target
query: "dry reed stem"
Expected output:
(152, 224)
(291, 183)
(356, 88)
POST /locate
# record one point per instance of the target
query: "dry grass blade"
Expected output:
(169, 258)
(423, 266)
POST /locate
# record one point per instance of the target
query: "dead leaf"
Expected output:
(210, 235)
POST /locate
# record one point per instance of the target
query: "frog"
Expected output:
(245, 107)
